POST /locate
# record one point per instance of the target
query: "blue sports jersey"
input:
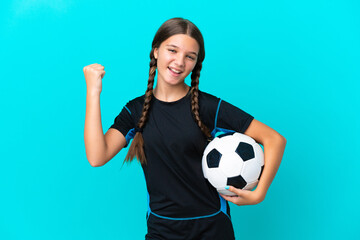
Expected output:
(182, 204)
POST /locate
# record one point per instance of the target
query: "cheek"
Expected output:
(164, 61)
(192, 67)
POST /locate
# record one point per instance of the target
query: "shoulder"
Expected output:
(137, 100)
(134, 106)
(206, 95)
(208, 105)
(208, 101)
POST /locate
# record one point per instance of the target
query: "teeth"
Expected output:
(175, 70)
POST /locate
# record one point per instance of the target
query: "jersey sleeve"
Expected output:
(124, 123)
(233, 118)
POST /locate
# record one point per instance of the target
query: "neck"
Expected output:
(170, 93)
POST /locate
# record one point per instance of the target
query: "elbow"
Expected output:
(280, 139)
(95, 159)
(95, 163)
(275, 139)
(282, 142)
(283, 139)
(92, 163)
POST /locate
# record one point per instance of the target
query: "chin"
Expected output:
(175, 82)
(172, 81)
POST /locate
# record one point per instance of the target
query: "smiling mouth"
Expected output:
(174, 71)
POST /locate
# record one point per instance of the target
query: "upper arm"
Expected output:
(261, 132)
(115, 141)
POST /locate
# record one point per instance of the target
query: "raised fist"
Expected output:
(93, 77)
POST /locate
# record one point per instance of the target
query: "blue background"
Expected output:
(294, 65)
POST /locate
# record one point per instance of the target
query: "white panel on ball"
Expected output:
(225, 144)
(225, 192)
(217, 179)
(231, 164)
(259, 153)
(251, 170)
(250, 186)
(244, 138)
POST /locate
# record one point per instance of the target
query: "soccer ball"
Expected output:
(233, 159)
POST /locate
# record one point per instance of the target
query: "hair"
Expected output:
(167, 29)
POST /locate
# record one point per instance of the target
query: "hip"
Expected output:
(214, 226)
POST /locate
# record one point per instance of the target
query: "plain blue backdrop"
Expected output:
(293, 65)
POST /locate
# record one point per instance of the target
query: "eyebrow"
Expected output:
(172, 45)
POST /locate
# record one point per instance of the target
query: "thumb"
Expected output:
(102, 74)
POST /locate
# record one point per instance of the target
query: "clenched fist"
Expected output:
(93, 76)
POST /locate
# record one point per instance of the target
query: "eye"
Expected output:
(192, 58)
(171, 50)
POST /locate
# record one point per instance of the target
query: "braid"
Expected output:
(148, 94)
(137, 146)
(195, 75)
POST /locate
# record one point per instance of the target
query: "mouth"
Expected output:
(174, 71)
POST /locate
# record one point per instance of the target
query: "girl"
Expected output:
(171, 125)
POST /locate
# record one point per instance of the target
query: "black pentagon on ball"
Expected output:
(213, 158)
(245, 151)
(225, 134)
(237, 182)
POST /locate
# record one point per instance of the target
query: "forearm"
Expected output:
(93, 133)
(273, 153)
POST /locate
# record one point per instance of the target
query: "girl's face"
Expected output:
(176, 58)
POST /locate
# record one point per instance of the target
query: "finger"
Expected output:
(235, 190)
(99, 67)
(234, 199)
(227, 198)
(95, 65)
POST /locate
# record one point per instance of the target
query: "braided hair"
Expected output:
(195, 75)
(167, 29)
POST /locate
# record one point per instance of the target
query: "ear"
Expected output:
(155, 53)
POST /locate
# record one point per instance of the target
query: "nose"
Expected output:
(179, 60)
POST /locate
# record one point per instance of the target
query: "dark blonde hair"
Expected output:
(167, 29)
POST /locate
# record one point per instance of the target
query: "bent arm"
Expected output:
(274, 147)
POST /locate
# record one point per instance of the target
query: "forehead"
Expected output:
(182, 41)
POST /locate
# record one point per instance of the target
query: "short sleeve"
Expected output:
(124, 123)
(233, 118)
